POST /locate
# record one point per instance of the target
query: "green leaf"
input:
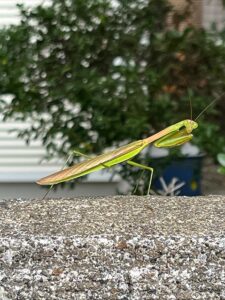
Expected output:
(221, 170)
(221, 159)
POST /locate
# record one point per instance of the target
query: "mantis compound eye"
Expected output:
(190, 125)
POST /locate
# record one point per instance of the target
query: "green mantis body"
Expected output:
(171, 136)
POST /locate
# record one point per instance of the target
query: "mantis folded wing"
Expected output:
(171, 136)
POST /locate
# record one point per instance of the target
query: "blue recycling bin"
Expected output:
(186, 169)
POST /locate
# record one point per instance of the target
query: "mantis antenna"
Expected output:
(209, 105)
(191, 111)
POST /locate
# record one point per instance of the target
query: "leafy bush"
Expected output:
(92, 74)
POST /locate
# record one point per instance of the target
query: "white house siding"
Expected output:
(21, 164)
(213, 12)
(9, 13)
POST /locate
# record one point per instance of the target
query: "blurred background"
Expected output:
(96, 74)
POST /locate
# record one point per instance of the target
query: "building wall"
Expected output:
(196, 15)
(213, 13)
(204, 12)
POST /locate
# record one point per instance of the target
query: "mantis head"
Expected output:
(190, 125)
(177, 134)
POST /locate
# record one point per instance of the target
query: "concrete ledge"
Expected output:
(113, 248)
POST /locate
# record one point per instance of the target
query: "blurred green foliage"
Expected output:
(221, 160)
(96, 73)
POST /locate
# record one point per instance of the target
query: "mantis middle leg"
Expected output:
(132, 163)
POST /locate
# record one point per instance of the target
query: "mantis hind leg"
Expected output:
(78, 153)
(132, 163)
(69, 157)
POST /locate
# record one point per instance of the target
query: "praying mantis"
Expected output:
(174, 135)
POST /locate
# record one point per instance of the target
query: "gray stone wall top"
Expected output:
(125, 248)
(120, 215)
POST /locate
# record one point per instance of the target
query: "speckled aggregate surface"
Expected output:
(113, 248)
